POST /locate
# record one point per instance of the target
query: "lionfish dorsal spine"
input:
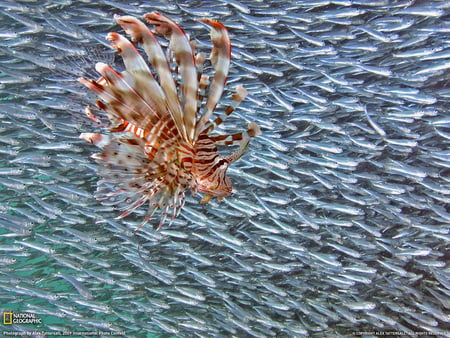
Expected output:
(141, 33)
(180, 46)
(125, 86)
(240, 94)
(143, 85)
(220, 59)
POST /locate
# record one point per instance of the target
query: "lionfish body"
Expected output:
(156, 147)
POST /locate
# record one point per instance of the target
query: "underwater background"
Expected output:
(339, 220)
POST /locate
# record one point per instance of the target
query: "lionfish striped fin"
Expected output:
(144, 82)
(134, 63)
(252, 131)
(202, 85)
(174, 68)
(203, 80)
(200, 59)
(117, 82)
(136, 114)
(141, 34)
(125, 107)
(164, 136)
(237, 98)
(100, 88)
(182, 50)
(238, 138)
(220, 59)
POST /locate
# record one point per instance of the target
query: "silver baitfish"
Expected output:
(338, 224)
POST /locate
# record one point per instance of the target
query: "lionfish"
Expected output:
(155, 147)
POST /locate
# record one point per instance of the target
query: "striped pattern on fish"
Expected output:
(157, 147)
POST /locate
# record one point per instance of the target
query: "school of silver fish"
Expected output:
(338, 224)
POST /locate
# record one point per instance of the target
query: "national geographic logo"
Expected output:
(7, 318)
(10, 318)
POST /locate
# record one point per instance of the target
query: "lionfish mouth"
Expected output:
(154, 146)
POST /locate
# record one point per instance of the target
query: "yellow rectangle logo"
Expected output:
(7, 318)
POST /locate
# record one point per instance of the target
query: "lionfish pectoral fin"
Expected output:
(135, 205)
(141, 226)
(98, 157)
(206, 198)
(146, 219)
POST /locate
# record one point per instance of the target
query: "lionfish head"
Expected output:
(216, 188)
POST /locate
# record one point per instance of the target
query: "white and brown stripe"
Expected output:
(155, 148)
(220, 59)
